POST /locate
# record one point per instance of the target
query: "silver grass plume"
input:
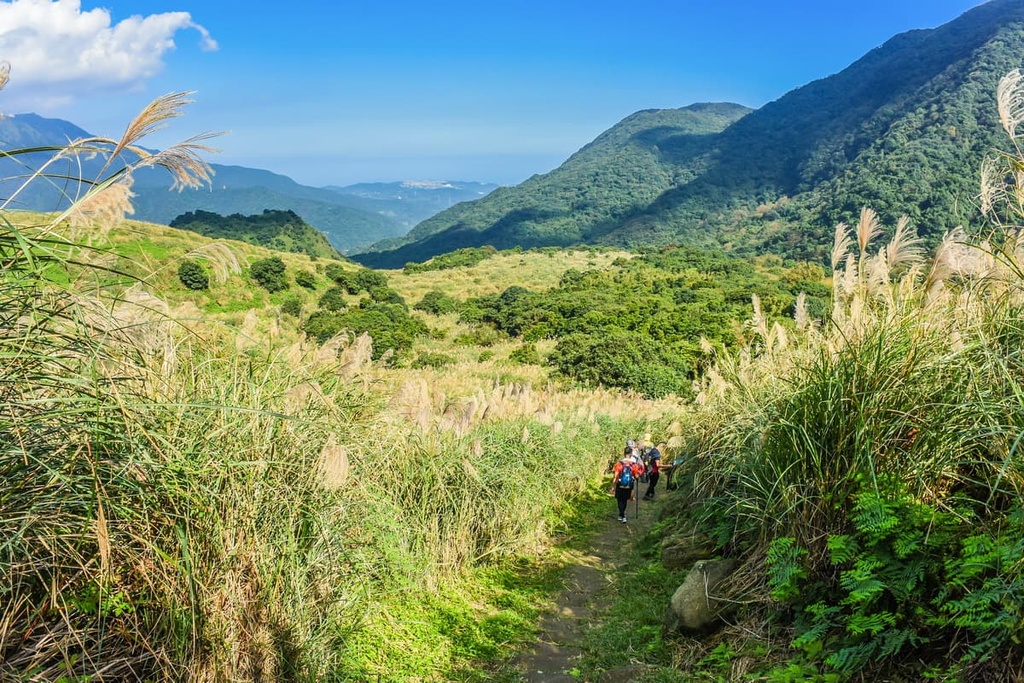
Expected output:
(948, 261)
(1010, 100)
(868, 228)
(878, 272)
(992, 190)
(758, 321)
(840, 244)
(903, 249)
(221, 258)
(800, 315)
(850, 275)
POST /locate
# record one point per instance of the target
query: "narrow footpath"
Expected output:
(584, 602)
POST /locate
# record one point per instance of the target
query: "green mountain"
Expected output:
(619, 173)
(903, 130)
(273, 229)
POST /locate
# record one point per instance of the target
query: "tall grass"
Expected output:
(875, 456)
(183, 501)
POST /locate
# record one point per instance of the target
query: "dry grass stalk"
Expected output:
(296, 398)
(247, 337)
(1010, 101)
(222, 259)
(868, 228)
(904, 249)
(333, 465)
(840, 244)
(103, 208)
(356, 358)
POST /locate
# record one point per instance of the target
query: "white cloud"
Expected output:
(58, 51)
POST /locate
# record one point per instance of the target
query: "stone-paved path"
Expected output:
(583, 602)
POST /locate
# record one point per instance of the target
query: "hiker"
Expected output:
(670, 471)
(626, 473)
(653, 470)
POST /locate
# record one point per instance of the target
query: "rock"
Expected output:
(625, 674)
(694, 607)
(681, 551)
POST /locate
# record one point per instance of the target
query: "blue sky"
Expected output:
(338, 92)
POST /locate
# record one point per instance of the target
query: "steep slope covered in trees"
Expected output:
(903, 130)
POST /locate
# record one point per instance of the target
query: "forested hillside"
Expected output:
(620, 172)
(903, 130)
(278, 230)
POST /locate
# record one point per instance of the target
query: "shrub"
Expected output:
(269, 274)
(389, 325)
(526, 354)
(433, 360)
(386, 295)
(305, 278)
(333, 299)
(624, 360)
(192, 275)
(346, 279)
(366, 280)
(436, 303)
(292, 305)
(479, 336)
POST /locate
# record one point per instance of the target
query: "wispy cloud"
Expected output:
(57, 51)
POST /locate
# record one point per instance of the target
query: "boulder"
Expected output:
(682, 550)
(694, 607)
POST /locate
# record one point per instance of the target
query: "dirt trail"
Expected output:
(584, 601)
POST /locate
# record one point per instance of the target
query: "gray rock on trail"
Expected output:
(695, 607)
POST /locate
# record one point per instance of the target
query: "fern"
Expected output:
(842, 549)
(861, 582)
(784, 569)
(872, 624)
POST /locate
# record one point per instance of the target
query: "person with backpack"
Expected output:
(625, 475)
(653, 470)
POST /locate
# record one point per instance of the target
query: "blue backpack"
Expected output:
(626, 475)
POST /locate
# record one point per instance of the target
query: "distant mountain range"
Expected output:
(902, 130)
(351, 217)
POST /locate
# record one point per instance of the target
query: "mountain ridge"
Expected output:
(350, 219)
(903, 130)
